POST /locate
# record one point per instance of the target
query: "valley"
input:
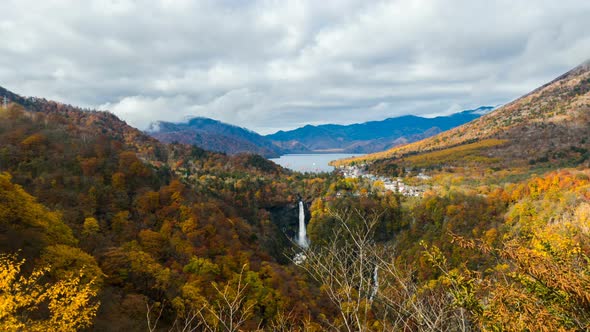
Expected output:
(484, 226)
(294, 166)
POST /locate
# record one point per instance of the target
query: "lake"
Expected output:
(313, 162)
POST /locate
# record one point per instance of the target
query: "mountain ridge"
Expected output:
(550, 120)
(177, 226)
(373, 136)
(364, 137)
(214, 135)
(88, 121)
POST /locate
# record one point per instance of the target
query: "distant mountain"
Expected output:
(550, 125)
(214, 135)
(365, 137)
(370, 136)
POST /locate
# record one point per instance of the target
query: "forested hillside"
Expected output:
(148, 224)
(103, 228)
(550, 124)
(213, 135)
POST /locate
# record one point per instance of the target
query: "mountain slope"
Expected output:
(371, 136)
(551, 123)
(88, 123)
(365, 137)
(214, 135)
(144, 214)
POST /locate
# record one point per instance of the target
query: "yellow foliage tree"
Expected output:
(70, 302)
(90, 226)
(20, 211)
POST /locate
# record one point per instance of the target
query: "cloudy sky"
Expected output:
(270, 65)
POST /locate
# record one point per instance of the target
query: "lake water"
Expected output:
(316, 162)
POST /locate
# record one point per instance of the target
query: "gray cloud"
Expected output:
(270, 65)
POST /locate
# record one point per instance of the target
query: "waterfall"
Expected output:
(375, 283)
(302, 237)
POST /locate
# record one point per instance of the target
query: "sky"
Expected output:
(279, 64)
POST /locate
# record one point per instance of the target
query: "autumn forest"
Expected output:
(103, 228)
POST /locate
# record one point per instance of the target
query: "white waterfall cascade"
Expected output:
(302, 236)
(375, 283)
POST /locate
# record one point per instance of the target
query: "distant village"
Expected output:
(395, 185)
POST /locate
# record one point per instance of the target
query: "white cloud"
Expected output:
(271, 65)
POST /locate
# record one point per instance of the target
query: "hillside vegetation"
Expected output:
(214, 135)
(550, 124)
(103, 228)
(146, 223)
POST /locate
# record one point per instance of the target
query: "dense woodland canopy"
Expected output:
(156, 224)
(103, 228)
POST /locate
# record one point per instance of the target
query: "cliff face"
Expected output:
(286, 220)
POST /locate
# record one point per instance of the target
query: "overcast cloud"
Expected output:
(270, 65)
